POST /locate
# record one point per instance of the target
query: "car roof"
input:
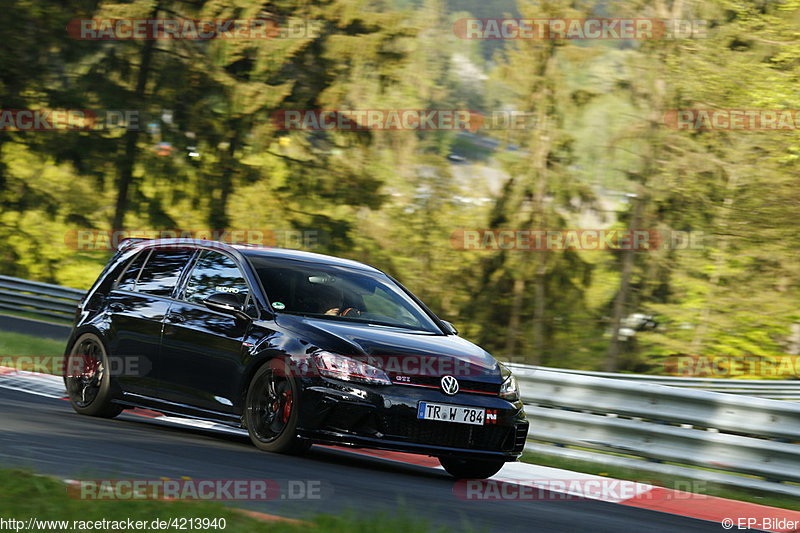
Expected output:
(252, 250)
(299, 255)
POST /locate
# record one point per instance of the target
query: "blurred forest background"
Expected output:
(599, 156)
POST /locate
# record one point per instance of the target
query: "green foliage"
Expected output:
(392, 198)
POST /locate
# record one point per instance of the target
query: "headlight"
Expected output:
(347, 369)
(509, 390)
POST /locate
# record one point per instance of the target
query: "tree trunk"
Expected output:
(794, 339)
(700, 333)
(128, 160)
(218, 217)
(539, 307)
(512, 331)
(623, 296)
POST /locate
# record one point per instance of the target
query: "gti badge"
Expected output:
(449, 385)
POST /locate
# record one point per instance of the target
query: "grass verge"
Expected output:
(24, 495)
(12, 344)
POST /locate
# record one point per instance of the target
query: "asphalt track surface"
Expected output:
(44, 434)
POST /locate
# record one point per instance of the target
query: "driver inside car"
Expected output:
(331, 303)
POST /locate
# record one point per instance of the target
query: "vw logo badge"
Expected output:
(449, 385)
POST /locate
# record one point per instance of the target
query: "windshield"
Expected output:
(338, 293)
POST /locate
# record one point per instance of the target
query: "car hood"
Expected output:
(400, 349)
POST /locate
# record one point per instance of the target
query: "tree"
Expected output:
(539, 194)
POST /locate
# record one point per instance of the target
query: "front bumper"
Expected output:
(385, 417)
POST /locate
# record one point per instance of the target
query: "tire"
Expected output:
(470, 468)
(87, 378)
(272, 410)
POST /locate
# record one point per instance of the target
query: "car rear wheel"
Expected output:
(87, 378)
(271, 410)
(470, 468)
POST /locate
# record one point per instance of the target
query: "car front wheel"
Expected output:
(271, 410)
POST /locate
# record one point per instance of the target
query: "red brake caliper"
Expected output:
(85, 367)
(287, 406)
(90, 368)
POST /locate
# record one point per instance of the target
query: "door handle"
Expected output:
(172, 317)
(116, 307)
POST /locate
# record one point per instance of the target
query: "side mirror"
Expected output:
(449, 328)
(228, 303)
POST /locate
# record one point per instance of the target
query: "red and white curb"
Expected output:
(516, 481)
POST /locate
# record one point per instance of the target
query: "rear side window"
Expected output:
(162, 271)
(215, 272)
(127, 282)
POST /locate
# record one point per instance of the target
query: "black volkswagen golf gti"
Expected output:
(298, 348)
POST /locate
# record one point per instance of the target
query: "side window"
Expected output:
(215, 272)
(127, 281)
(162, 271)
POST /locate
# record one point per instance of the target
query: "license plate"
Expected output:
(450, 413)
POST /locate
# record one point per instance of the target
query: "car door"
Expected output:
(137, 307)
(202, 349)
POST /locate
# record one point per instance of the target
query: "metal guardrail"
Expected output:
(38, 299)
(659, 423)
(723, 451)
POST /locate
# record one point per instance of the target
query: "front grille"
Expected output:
(465, 386)
(435, 433)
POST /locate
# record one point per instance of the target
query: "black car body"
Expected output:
(241, 335)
